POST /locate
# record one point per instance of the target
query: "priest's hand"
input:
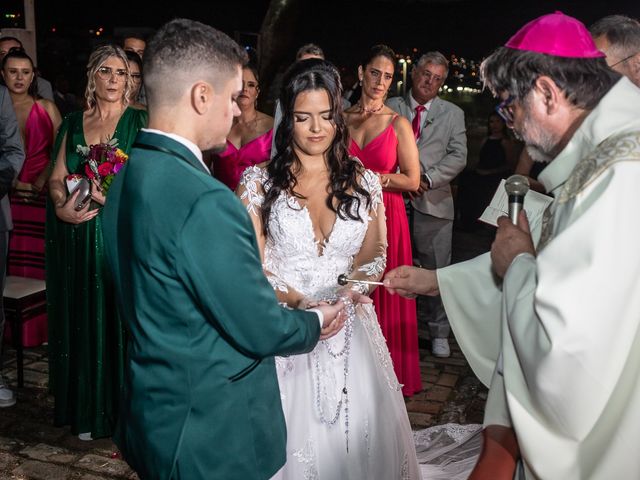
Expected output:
(334, 318)
(511, 240)
(410, 281)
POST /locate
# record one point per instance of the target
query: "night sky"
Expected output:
(344, 28)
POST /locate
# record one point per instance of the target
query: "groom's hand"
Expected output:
(334, 319)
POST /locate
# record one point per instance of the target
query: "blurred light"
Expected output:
(459, 89)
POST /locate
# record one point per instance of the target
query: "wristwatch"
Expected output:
(425, 178)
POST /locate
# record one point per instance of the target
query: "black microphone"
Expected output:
(517, 187)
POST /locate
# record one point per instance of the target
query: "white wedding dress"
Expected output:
(345, 414)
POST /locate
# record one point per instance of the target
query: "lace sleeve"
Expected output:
(251, 191)
(371, 260)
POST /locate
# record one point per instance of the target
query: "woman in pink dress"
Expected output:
(249, 141)
(39, 120)
(384, 142)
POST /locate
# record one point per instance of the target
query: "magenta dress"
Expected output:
(26, 244)
(397, 315)
(229, 165)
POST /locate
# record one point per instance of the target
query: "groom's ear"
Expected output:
(201, 94)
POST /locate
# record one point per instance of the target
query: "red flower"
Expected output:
(105, 169)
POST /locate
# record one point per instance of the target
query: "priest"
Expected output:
(551, 319)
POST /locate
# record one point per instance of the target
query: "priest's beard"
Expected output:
(538, 142)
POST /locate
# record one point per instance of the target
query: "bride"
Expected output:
(318, 214)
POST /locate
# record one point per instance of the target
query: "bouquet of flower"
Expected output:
(103, 162)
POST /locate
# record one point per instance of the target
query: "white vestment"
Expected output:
(567, 322)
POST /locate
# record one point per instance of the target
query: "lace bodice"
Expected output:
(294, 259)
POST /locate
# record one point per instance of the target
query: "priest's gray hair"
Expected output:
(622, 33)
(184, 51)
(435, 58)
(584, 81)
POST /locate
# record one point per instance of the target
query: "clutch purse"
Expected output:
(83, 187)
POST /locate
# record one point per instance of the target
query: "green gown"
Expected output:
(86, 337)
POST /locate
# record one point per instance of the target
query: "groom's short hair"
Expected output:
(183, 51)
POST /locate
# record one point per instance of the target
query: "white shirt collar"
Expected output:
(187, 143)
(413, 103)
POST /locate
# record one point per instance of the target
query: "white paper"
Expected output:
(535, 204)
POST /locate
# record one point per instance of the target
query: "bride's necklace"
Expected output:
(349, 308)
(370, 110)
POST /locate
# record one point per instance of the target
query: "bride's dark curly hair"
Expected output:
(304, 75)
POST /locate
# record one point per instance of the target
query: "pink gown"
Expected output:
(397, 315)
(229, 165)
(26, 244)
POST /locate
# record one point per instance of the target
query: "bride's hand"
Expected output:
(354, 295)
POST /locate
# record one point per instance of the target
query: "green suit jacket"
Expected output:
(201, 397)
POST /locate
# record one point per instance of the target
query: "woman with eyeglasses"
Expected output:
(38, 119)
(135, 69)
(250, 138)
(86, 337)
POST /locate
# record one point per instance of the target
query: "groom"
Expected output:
(201, 398)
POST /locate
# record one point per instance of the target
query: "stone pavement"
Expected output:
(31, 448)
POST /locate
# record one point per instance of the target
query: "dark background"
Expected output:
(344, 28)
(66, 30)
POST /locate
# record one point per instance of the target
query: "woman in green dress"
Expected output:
(86, 337)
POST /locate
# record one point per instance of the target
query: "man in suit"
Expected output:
(11, 160)
(201, 397)
(439, 129)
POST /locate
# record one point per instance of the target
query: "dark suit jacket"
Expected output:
(201, 396)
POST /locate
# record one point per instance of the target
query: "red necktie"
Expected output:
(416, 121)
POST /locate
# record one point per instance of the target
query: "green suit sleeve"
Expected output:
(218, 261)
